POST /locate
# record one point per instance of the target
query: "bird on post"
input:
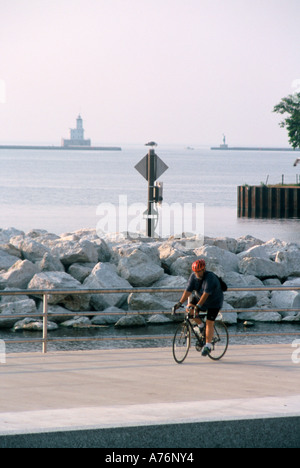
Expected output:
(151, 143)
(296, 162)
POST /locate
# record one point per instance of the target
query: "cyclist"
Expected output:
(208, 297)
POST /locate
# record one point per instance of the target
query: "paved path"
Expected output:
(140, 387)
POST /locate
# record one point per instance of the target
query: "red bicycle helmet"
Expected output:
(198, 265)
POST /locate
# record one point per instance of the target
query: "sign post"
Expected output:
(151, 167)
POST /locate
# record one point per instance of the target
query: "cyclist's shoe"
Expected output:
(206, 350)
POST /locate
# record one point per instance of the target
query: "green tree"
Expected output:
(290, 105)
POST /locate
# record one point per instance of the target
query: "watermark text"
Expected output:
(173, 219)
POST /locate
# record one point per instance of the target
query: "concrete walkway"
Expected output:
(100, 390)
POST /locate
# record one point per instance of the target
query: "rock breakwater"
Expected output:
(81, 260)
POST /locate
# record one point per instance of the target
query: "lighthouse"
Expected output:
(76, 135)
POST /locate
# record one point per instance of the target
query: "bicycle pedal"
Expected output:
(199, 348)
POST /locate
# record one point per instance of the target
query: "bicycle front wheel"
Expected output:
(181, 342)
(220, 341)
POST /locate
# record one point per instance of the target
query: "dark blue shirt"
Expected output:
(210, 284)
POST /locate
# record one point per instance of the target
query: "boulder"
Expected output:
(105, 276)
(262, 268)
(131, 321)
(246, 242)
(169, 254)
(246, 298)
(9, 233)
(7, 260)
(159, 319)
(112, 315)
(290, 260)
(50, 263)
(287, 299)
(267, 251)
(147, 301)
(32, 324)
(230, 318)
(69, 251)
(19, 275)
(21, 307)
(139, 270)
(168, 282)
(53, 310)
(76, 322)
(30, 249)
(213, 255)
(260, 316)
(60, 280)
(225, 243)
(241, 299)
(81, 271)
(182, 266)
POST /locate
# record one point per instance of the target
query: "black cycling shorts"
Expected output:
(212, 313)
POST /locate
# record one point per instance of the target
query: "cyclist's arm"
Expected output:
(203, 299)
(185, 297)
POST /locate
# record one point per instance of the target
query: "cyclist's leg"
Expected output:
(210, 323)
(193, 300)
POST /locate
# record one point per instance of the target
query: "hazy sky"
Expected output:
(176, 71)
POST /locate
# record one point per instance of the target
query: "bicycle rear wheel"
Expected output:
(219, 342)
(181, 342)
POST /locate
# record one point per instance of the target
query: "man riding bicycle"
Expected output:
(208, 297)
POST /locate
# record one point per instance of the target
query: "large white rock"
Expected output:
(139, 270)
(7, 260)
(17, 307)
(246, 242)
(287, 299)
(30, 249)
(32, 324)
(230, 318)
(19, 275)
(183, 266)
(247, 298)
(112, 315)
(61, 281)
(131, 321)
(147, 301)
(69, 251)
(50, 263)
(290, 260)
(260, 316)
(227, 260)
(225, 243)
(105, 276)
(169, 282)
(262, 268)
(9, 233)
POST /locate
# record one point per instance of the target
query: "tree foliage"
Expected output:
(290, 105)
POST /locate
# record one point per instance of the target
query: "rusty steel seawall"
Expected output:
(268, 202)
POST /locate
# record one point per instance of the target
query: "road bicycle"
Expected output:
(188, 330)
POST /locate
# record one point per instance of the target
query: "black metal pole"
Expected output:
(151, 180)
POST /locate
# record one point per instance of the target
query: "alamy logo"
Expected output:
(2, 352)
(169, 220)
(296, 353)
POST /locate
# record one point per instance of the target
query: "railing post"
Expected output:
(45, 322)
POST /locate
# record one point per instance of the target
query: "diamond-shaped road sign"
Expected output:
(159, 167)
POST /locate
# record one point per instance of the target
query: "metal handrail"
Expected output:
(46, 292)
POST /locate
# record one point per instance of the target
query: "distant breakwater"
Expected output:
(251, 148)
(61, 148)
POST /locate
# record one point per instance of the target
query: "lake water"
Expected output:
(61, 191)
